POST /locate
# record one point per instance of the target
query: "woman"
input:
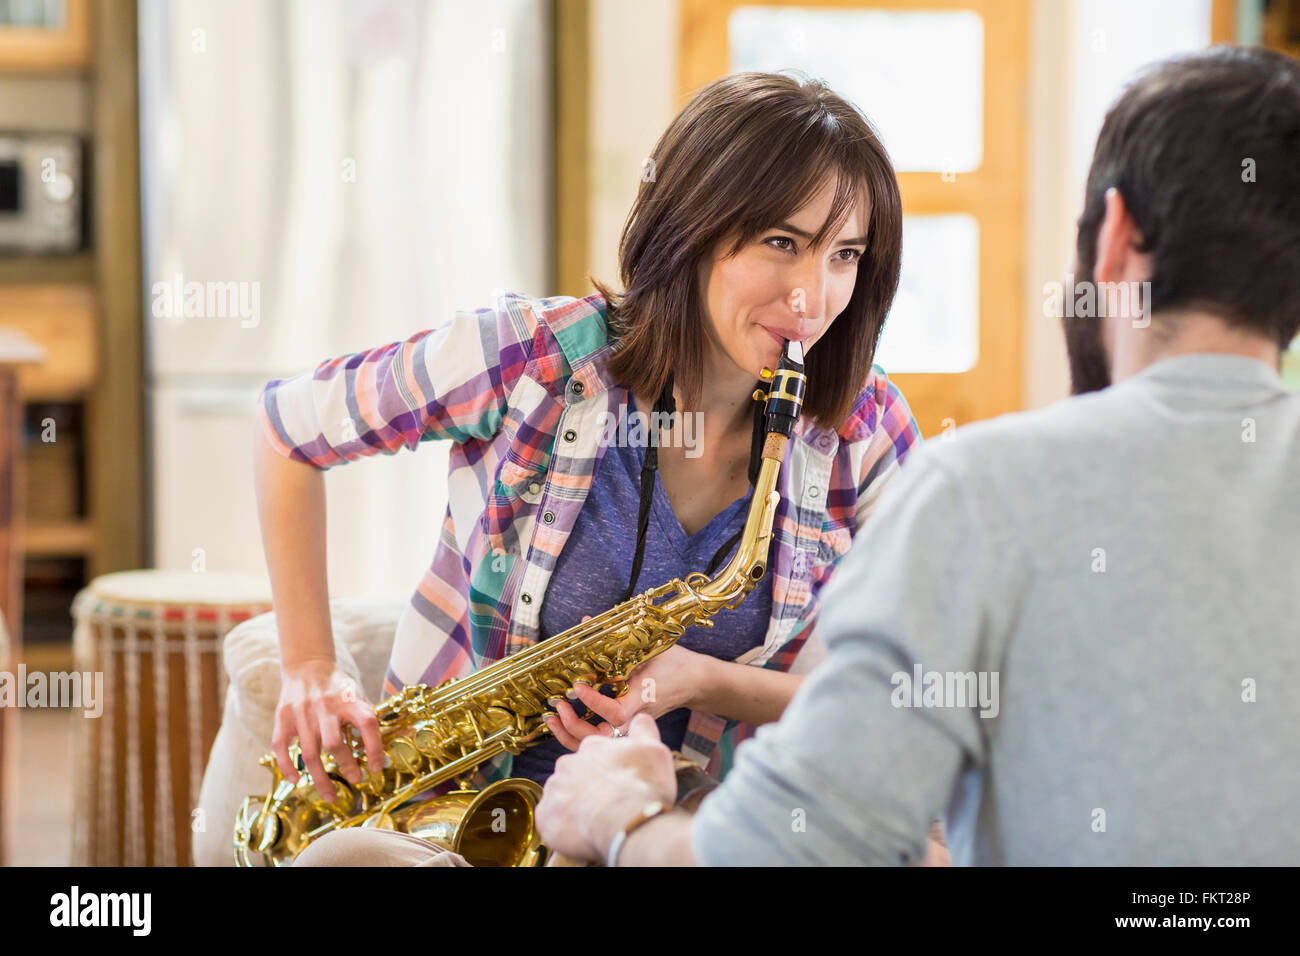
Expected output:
(769, 212)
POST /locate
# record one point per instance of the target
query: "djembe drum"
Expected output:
(156, 637)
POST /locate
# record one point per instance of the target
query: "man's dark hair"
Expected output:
(1205, 151)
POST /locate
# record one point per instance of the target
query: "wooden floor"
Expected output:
(40, 831)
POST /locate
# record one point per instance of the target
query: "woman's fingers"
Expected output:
(606, 707)
(309, 745)
(332, 742)
(568, 727)
(562, 735)
(574, 724)
(363, 717)
(284, 732)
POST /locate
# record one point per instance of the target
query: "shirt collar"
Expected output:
(1211, 369)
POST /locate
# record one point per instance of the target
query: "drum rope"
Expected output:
(193, 683)
(107, 737)
(164, 822)
(134, 798)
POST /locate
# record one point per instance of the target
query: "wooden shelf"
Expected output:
(60, 319)
(76, 537)
(49, 656)
(75, 269)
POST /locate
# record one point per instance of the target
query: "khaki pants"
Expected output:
(357, 847)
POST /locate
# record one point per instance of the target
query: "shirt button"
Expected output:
(526, 598)
(534, 487)
(577, 388)
(570, 435)
(814, 491)
(549, 517)
(825, 441)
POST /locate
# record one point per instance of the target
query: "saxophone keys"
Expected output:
(344, 797)
(427, 742)
(553, 686)
(405, 756)
(380, 821)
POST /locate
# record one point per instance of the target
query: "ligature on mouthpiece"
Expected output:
(785, 389)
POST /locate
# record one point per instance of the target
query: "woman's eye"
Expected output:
(785, 239)
(856, 254)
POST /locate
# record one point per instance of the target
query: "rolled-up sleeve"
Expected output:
(449, 382)
(851, 774)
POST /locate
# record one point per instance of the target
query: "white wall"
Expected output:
(633, 98)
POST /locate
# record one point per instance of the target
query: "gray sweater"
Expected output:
(1119, 575)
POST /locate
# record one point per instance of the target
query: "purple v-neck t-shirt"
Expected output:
(592, 571)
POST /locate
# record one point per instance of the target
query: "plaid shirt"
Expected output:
(523, 391)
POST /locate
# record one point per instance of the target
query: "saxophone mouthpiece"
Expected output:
(785, 389)
(793, 352)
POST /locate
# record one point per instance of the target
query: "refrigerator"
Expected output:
(321, 177)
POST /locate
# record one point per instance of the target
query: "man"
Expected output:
(1076, 630)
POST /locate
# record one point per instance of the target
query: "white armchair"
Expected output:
(364, 629)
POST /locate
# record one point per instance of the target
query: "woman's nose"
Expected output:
(808, 299)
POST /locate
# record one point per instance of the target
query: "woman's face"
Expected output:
(779, 286)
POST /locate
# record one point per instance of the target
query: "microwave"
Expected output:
(42, 193)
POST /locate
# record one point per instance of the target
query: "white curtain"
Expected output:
(371, 166)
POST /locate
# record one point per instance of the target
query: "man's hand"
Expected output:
(936, 848)
(602, 786)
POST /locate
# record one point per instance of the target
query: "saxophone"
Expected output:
(432, 735)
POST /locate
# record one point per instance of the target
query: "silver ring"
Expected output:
(617, 732)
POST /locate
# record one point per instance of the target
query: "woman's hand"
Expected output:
(671, 680)
(316, 699)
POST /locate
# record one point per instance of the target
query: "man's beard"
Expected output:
(1089, 364)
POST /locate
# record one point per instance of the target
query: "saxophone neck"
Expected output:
(783, 402)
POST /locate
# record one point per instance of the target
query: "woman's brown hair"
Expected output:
(745, 153)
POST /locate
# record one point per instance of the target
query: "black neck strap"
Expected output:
(666, 405)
